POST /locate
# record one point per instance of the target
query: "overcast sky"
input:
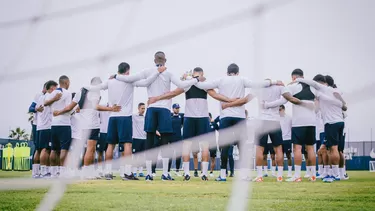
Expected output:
(333, 37)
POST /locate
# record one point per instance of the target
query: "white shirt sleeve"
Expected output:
(135, 77)
(312, 83)
(250, 84)
(276, 103)
(182, 84)
(102, 86)
(148, 81)
(206, 85)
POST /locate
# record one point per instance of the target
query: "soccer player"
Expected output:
(44, 118)
(120, 93)
(35, 109)
(196, 121)
(158, 115)
(333, 119)
(286, 128)
(61, 134)
(139, 136)
(177, 123)
(213, 128)
(232, 86)
(303, 124)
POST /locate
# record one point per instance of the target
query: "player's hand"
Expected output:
(224, 106)
(116, 108)
(111, 77)
(279, 83)
(57, 97)
(162, 69)
(152, 100)
(78, 110)
(40, 108)
(344, 108)
(158, 134)
(56, 113)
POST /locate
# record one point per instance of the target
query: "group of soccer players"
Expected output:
(62, 118)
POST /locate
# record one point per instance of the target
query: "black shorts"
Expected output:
(139, 145)
(275, 136)
(44, 139)
(269, 149)
(101, 145)
(287, 146)
(334, 133)
(303, 135)
(342, 144)
(213, 153)
(92, 134)
(34, 132)
(61, 137)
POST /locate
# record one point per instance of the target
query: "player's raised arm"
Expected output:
(207, 85)
(148, 81)
(56, 96)
(238, 102)
(262, 84)
(183, 84)
(69, 107)
(166, 96)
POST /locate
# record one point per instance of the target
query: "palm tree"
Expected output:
(19, 134)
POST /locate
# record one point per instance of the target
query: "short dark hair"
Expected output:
(63, 79)
(330, 81)
(45, 84)
(198, 69)
(233, 69)
(319, 78)
(210, 115)
(159, 52)
(298, 72)
(50, 83)
(140, 104)
(123, 67)
(282, 107)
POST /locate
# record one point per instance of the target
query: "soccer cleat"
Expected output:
(258, 179)
(231, 174)
(279, 179)
(328, 179)
(312, 179)
(265, 175)
(196, 174)
(212, 174)
(170, 178)
(129, 177)
(204, 178)
(108, 176)
(135, 174)
(153, 174)
(219, 179)
(141, 175)
(346, 176)
(187, 177)
(293, 179)
(336, 178)
(37, 176)
(149, 178)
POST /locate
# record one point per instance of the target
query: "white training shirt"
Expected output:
(35, 100)
(44, 118)
(286, 127)
(138, 126)
(65, 100)
(270, 94)
(104, 119)
(195, 107)
(76, 120)
(301, 116)
(232, 87)
(88, 114)
(319, 124)
(330, 107)
(161, 85)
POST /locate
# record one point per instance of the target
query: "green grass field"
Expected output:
(358, 193)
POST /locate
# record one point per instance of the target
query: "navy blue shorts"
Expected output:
(35, 136)
(61, 137)
(342, 144)
(334, 133)
(101, 144)
(275, 136)
(213, 152)
(44, 139)
(195, 127)
(92, 134)
(287, 146)
(303, 135)
(120, 130)
(269, 149)
(158, 119)
(139, 145)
